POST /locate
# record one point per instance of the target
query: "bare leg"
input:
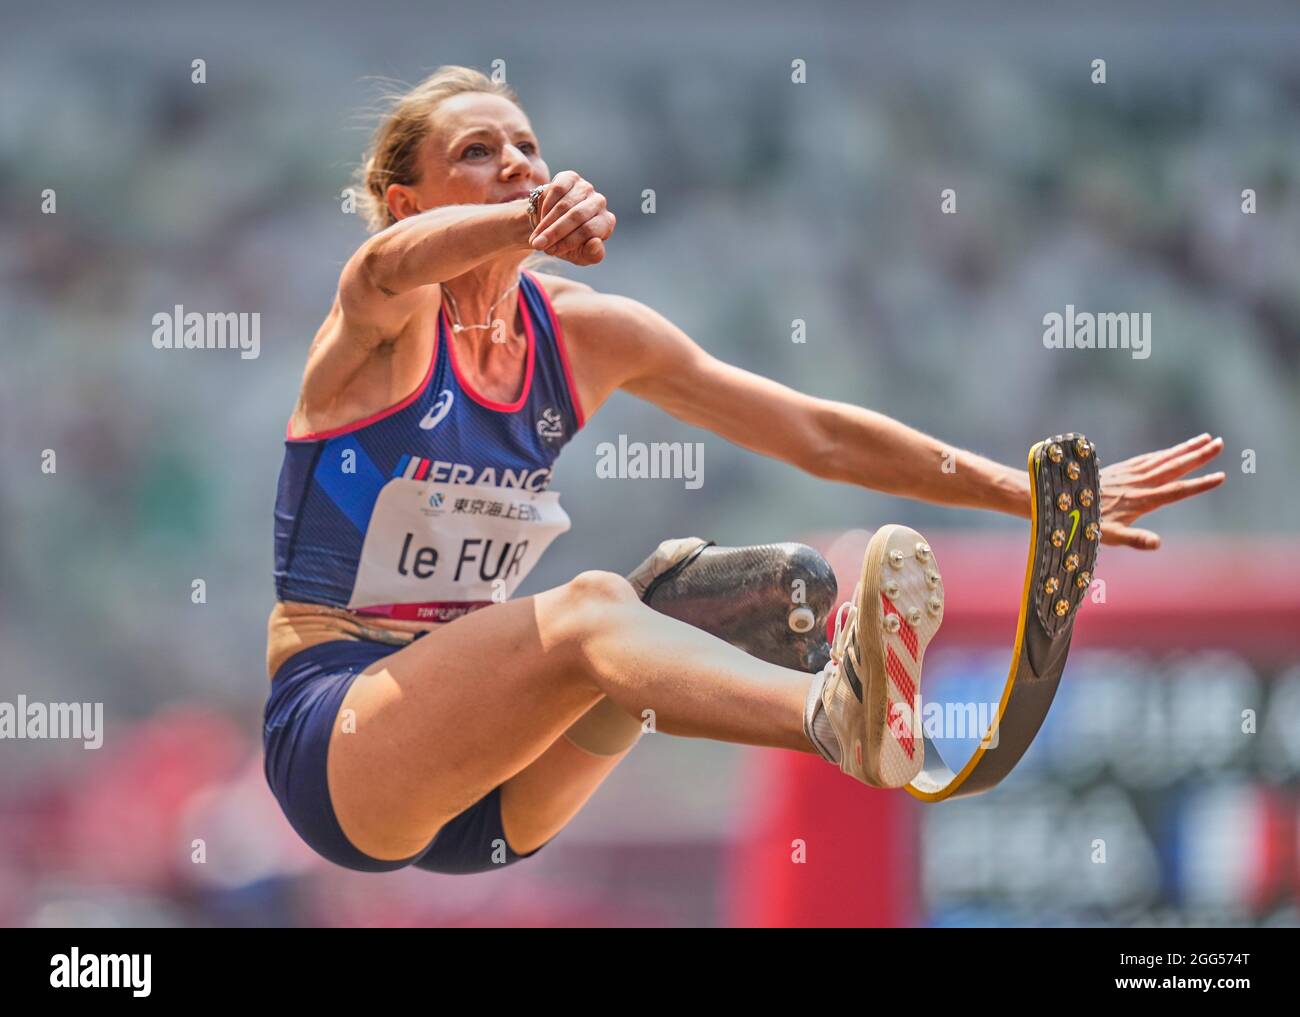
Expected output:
(441, 722)
(539, 800)
(697, 685)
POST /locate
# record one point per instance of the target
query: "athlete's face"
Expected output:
(481, 149)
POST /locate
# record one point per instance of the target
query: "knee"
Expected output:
(591, 602)
(586, 608)
(598, 591)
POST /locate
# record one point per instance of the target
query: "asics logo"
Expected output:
(438, 410)
(1074, 527)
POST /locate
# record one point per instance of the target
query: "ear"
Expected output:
(402, 201)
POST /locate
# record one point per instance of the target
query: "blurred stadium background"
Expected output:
(774, 202)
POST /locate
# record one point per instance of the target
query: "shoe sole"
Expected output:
(892, 655)
(1065, 531)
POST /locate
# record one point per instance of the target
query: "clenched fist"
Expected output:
(573, 222)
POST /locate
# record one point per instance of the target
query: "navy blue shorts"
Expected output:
(304, 702)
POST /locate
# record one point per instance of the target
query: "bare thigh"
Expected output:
(438, 724)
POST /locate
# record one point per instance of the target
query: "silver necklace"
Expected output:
(457, 326)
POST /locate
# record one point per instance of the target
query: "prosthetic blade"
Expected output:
(1065, 532)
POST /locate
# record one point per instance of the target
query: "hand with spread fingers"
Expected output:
(1139, 485)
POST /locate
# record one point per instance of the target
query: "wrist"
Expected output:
(1012, 490)
(521, 224)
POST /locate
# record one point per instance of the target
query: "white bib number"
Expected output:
(441, 544)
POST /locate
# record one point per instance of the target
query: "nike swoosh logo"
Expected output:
(439, 410)
(1074, 526)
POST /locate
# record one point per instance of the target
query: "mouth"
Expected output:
(513, 196)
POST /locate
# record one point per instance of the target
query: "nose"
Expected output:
(515, 161)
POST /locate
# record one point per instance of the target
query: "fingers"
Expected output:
(1129, 536)
(559, 186)
(573, 221)
(581, 195)
(578, 246)
(1173, 452)
(1167, 494)
(1172, 469)
(590, 252)
(593, 251)
(586, 212)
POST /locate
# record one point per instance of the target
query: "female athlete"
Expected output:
(416, 714)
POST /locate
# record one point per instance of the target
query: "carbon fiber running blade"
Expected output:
(1065, 533)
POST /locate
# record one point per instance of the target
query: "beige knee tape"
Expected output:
(605, 730)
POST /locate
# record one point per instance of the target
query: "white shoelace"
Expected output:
(844, 624)
(844, 620)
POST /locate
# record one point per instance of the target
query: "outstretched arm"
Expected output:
(657, 361)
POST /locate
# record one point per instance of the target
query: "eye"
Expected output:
(528, 147)
(471, 149)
